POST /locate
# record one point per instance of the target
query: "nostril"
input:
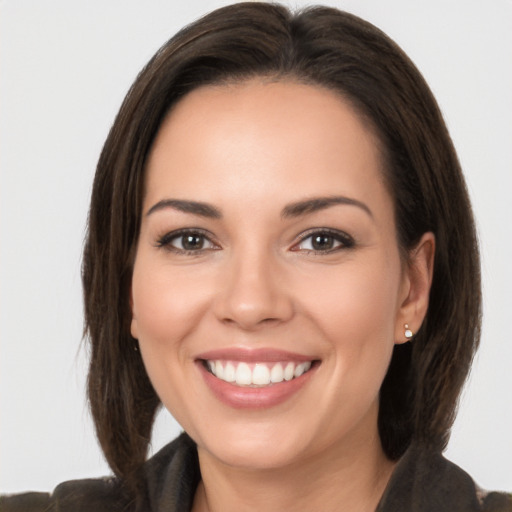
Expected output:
(247, 323)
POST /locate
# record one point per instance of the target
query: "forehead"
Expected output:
(265, 139)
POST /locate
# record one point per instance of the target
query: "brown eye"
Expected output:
(322, 241)
(192, 242)
(186, 242)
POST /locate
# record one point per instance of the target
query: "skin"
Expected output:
(250, 150)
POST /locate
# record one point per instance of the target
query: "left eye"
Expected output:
(186, 241)
(324, 241)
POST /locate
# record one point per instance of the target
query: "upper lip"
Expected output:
(254, 355)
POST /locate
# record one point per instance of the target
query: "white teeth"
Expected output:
(277, 374)
(261, 374)
(230, 373)
(289, 371)
(301, 368)
(243, 375)
(219, 370)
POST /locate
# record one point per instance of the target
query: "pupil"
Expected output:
(192, 242)
(322, 242)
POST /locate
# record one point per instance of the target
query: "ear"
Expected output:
(415, 288)
(133, 326)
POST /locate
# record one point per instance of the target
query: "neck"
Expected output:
(352, 476)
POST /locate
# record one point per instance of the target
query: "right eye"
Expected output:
(323, 241)
(186, 242)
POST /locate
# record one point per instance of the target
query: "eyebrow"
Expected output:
(321, 203)
(296, 209)
(194, 207)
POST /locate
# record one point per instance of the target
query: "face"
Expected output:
(267, 287)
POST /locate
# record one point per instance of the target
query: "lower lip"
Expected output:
(240, 397)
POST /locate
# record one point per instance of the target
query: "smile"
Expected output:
(260, 378)
(258, 374)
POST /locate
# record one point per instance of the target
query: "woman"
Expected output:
(281, 251)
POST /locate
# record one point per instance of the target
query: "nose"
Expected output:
(252, 292)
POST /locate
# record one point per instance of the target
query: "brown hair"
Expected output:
(332, 49)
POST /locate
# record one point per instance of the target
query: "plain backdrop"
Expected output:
(65, 67)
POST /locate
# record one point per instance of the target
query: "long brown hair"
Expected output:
(332, 49)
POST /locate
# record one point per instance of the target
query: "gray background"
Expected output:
(65, 67)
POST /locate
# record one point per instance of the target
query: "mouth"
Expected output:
(255, 378)
(256, 374)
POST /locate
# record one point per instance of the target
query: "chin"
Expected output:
(256, 446)
(254, 456)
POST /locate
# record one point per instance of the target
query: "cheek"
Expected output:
(357, 304)
(355, 309)
(167, 308)
(165, 305)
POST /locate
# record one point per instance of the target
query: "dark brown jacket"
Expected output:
(422, 482)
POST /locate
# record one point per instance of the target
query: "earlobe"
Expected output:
(417, 282)
(133, 328)
(133, 324)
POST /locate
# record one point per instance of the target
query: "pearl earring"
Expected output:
(408, 333)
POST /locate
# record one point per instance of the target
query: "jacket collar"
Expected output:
(423, 481)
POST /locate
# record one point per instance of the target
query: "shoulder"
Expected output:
(424, 481)
(89, 495)
(170, 477)
(495, 501)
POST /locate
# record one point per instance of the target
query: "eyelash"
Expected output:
(344, 241)
(165, 241)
